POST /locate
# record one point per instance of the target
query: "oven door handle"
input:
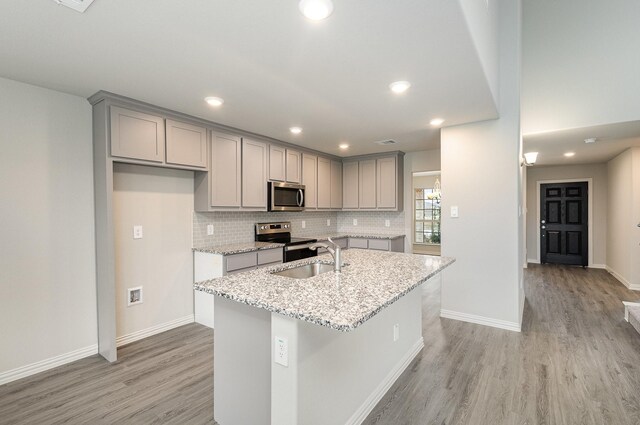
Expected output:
(296, 247)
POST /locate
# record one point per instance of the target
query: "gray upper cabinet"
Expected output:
(367, 184)
(186, 144)
(350, 184)
(254, 174)
(294, 166)
(225, 175)
(277, 161)
(324, 183)
(336, 185)
(387, 175)
(309, 180)
(137, 135)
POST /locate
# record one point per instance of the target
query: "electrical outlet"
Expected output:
(137, 232)
(134, 296)
(304, 224)
(209, 229)
(328, 222)
(454, 212)
(281, 354)
(355, 221)
(387, 223)
(396, 332)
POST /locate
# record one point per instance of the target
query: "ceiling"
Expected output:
(274, 68)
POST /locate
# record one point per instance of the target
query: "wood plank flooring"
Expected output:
(576, 362)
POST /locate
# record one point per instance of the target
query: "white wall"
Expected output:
(481, 175)
(161, 200)
(598, 195)
(47, 264)
(623, 235)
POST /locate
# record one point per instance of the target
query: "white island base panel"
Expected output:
(332, 377)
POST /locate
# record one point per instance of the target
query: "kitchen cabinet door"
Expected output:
(137, 135)
(324, 183)
(277, 159)
(254, 174)
(310, 180)
(225, 173)
(350, 185)
(294, 166)
(186, 144)
(336, 185)
(367, 184)
(386, 196)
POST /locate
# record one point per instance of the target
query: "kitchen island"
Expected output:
(321, 350)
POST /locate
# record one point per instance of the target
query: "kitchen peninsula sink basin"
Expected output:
(305, 271)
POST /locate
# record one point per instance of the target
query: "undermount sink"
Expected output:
(305, 271)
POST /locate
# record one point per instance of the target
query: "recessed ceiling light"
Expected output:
(295, 130)
(316, 10)
(343, 146)
(569, 154)
(214, 101)
(399, 86)
(436, 122)
(590, 140)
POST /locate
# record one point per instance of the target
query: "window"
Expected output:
(427, 216)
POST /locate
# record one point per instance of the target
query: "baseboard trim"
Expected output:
(363, 411)
(46, 364)
(598, 266)
(481, 320)
(622, 280)
(145, 333)
(533, 261)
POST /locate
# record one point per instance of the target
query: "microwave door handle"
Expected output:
(301, 198)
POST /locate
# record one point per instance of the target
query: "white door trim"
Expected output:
(589, 181)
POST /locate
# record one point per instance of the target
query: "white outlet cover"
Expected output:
(209, 229)
(355, 221)
(454, 212)
(387, 223)
(328, 222)
(304, 224)
(137, 232)
(281, 353)
(134, 296)
(396, 332)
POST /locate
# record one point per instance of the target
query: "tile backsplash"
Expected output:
(238, 227)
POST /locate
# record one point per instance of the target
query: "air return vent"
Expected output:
(386, 142)
(77, 5)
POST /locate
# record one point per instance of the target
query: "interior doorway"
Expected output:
(564, 217)
(426, 234)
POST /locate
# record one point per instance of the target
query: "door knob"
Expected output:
(544, 227)
(543, 222)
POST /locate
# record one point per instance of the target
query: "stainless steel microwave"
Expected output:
(285, 196)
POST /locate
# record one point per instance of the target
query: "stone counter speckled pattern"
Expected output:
(359, 235)
(238, 248)
(371, 281)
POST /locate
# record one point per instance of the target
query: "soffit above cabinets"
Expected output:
(77, 5)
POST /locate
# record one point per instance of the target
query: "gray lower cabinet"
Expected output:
(367, 184)
(309, 180)
(324, 183)
(209, 266)
(254, 174)
(294, 166)
(186, 144)
(361, 243)
(394, 245)
(350, 183)
(277, 163)
(225, 173)
(137, 135)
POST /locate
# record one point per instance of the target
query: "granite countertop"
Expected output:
(238, 248)
(371, 281)
(359, 235)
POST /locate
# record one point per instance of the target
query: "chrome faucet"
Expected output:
(335, 251)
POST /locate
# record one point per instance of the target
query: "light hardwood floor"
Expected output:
(576, 362)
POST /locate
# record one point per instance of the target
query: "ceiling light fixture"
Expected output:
(590, 140)
(436, 122)
(343, 146)
(316, 10)
(569, 154)
(295, 130)
(399, 87)
(530, 158)
(214, 101)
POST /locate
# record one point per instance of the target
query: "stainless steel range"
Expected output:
(280, 232)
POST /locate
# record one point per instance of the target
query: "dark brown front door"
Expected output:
(563, 223)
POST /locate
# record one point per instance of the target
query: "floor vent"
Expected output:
(386, 142)
(77, 5)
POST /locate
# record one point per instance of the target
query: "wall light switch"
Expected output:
(387, 223)
(396, 332)
(209, 229)
(328, 222)
(281, 354)
(304, 224)
(355, 221)
(454, 212)
(137, 232)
